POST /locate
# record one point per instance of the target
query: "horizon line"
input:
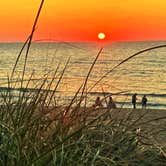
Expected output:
(97, 41)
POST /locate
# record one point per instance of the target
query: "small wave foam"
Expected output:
(129, 94)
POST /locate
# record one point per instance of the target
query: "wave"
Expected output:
(129, 94)
(98, 62)
(91, 93)
(119, 103)
(148, 104)
(4, 89)
(147, 94)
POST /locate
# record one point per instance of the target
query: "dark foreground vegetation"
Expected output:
(33, 134)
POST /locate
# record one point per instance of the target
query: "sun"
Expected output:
(101, 35)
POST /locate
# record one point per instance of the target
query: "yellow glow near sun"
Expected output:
(101, 35)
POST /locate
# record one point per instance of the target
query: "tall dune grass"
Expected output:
(34, 134)
(34, 130)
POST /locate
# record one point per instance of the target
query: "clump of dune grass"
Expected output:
(31, 134)
(36, 131)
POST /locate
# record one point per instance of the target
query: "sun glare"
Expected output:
(101, 36)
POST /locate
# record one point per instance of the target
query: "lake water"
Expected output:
(143, 74)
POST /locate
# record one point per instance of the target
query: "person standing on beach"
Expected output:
(111, 103)
(134, 100)
(144, 101)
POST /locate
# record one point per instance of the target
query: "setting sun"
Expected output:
(101, 36)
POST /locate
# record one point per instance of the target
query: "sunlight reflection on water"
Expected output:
(144, 74)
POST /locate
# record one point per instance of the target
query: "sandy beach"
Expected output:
(151, 121)
(145, 115)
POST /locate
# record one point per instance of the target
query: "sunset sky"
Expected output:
(82, 20)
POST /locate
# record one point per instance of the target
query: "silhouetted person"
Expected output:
(134, 100)
(98, 102)
(144, 101)
(111, 103)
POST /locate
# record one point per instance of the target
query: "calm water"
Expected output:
(144, 74)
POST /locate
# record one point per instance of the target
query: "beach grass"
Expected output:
(35, 130)
(33, 133)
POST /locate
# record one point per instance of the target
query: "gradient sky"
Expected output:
(82, 20)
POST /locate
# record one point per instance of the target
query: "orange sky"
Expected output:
(81, 20)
